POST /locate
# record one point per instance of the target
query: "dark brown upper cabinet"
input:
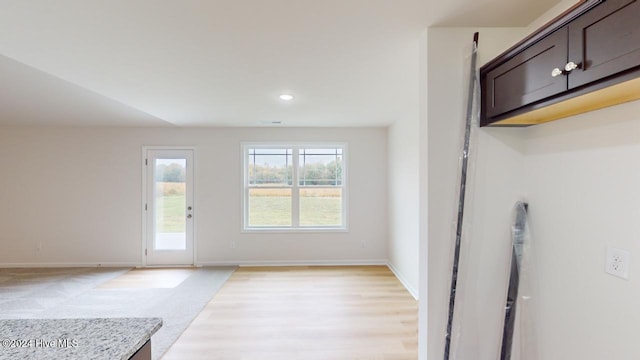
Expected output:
(525, 78)
(585, 59)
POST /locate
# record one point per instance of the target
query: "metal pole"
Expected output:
(463, 184)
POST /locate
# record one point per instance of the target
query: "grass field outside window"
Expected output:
(170, 204)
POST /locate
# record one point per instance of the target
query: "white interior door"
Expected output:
(169, 211)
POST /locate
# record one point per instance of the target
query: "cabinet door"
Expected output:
(526, 77)
(604, 41)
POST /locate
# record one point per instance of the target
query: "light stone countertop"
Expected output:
(105, 338)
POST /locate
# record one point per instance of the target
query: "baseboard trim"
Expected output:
(400, 277)
(68, 265)
(247, 263)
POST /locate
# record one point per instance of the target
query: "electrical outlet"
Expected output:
(618, 262)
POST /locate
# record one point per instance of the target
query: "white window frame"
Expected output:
(295, 213)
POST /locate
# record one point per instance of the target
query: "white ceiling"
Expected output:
(224, 62)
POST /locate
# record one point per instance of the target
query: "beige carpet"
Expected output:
(77, 293)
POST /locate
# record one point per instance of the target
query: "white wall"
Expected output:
(423, 167)
(582, 177)
(496, 183)
(404, 184)
(404, 214)
(78, 192)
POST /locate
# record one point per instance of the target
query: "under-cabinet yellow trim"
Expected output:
(609, 96)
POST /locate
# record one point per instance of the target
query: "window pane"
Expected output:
(321, 207)
(320, 167)
(270, 166)
(269, 207)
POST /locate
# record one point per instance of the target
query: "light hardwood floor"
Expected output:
(318, 313)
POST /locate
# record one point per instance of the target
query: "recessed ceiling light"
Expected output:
(286, 97)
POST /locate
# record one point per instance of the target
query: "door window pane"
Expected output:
(170, 202)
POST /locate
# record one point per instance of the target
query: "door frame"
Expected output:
(145, 173)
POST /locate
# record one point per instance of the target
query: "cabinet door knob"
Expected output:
(571, 66)
(556, 72)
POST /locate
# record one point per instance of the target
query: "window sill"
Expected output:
(294, 230)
